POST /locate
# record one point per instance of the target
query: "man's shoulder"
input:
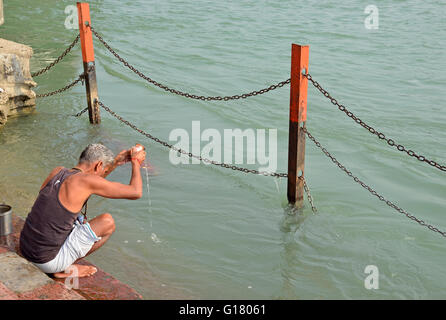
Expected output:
(51, 176)
(54, 172)
(82, 181)
(57, 169)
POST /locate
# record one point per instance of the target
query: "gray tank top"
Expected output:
(48, 224)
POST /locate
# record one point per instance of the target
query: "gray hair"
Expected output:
(97, 152)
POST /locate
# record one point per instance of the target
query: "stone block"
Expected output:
(52, 291)
(6, 294)
(16, 82)
(19, 275)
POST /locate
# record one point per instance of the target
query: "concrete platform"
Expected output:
(21, 280)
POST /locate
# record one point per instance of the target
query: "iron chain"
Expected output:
(341, 107)
(307, 191)
(80, 112)
(185, 94)
(72, 84)
(380, 135)
(368, 188)
(189, 154)
(52, 64)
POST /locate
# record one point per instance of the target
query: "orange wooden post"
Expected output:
(86, 38)
(298, 116)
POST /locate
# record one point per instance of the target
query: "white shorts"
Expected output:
(76, 246)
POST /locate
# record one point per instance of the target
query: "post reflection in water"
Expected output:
(289, 226)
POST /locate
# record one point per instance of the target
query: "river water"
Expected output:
(225, 234)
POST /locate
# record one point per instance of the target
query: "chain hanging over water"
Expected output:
(52, 64)
(80, 112)
(307, 191)
(189, 154)
(279, 175)
(72, 84)
(380, 135)
(185, 94)
(368, 188)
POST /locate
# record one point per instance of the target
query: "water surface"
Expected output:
(224, 234)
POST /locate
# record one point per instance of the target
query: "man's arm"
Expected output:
(116, 190)
(50, 176)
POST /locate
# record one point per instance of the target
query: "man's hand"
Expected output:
(137, 153)
(122, 157)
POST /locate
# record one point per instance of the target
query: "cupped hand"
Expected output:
(138, 153)
(122, 157)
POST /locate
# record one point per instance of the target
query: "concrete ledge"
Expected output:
(21, 280)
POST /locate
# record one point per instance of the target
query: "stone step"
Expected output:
(20, 279)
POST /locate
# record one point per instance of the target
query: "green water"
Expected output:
(225, 234)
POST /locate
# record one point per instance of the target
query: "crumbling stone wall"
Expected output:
(16, 82)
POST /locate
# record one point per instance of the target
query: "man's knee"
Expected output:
(108, 222)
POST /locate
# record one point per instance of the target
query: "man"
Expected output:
(53, 237)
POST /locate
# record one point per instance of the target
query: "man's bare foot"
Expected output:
(76, 270)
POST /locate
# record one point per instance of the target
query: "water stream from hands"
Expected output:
(153, 236)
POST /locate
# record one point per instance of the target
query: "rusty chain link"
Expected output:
(52, 64)
(380, 135)
(185, 94)
(80, 112)
(72, 84)
(307, 191)
(365, 186)
(189, 154)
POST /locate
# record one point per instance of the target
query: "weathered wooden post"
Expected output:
(298, 116)
(86, 38)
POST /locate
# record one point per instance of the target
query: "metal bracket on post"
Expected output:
(86, 38)
(298, 117)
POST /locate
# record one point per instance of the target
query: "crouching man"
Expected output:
(54, 235)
